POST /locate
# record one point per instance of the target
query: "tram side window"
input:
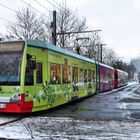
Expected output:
(81, 75)
(29, 78)
(85, 76)
(39, 73)
(66, 74)
(93, 75)
(75, 74)
(55, 73)
(89, 75)
(108, 77)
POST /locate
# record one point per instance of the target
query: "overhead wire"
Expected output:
(53, 4)
(8, 8)
(34, 9)
(57, 3)
(13, 10)
(42, 5)
(5, 19)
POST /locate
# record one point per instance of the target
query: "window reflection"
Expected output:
(55, 73)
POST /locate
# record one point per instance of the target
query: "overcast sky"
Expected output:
(119, 21)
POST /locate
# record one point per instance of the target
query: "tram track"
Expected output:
(131, 88)
(4, 118)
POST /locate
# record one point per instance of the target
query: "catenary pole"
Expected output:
(54, 28)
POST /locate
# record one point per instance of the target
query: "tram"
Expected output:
(35, 76)
(120, 78)
(106, 74)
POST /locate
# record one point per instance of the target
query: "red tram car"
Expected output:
(106, 76)
(120, 78)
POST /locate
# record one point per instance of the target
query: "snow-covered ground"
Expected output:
(56, 128)
(132, 83)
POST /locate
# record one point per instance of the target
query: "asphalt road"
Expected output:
(120, 104)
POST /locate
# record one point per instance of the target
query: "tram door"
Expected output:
(40, 100)
(29, 87)
(33, 82)
(74, 82)
(34, 77)
(40, 76)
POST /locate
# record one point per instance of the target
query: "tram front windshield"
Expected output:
(10, 62)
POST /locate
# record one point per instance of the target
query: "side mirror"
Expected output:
(29, 56)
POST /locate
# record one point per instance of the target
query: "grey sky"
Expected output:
(118, 19)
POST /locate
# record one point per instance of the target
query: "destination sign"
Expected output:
(11, 46)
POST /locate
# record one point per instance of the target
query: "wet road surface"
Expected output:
(120, 104)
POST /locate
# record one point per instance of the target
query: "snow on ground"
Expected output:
(57, 128)
(4, 119)
(132, 83)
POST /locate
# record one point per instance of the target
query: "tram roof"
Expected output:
(51, 47)
(104, 65)
(122, 71)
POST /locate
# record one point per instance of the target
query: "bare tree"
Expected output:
(109, 56)
(67, 22)
(27, 25)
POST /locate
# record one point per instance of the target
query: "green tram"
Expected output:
(35, 76)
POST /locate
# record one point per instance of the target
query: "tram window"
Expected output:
(29, 78)
(93, 75)
(81, 75)
(75, 74)
(39, 73)
(89, 75)
(85, 76)
(66, 74)
(55, 73)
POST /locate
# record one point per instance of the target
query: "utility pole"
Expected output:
(53, 26)
(101, 53)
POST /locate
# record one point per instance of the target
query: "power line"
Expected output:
(53, 4)
(42, 5)
(8, 8)
(57, 3)
(34, 8)
(31, 7)
(5, 19)
(61, 9)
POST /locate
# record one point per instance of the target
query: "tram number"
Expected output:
(2, 105)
